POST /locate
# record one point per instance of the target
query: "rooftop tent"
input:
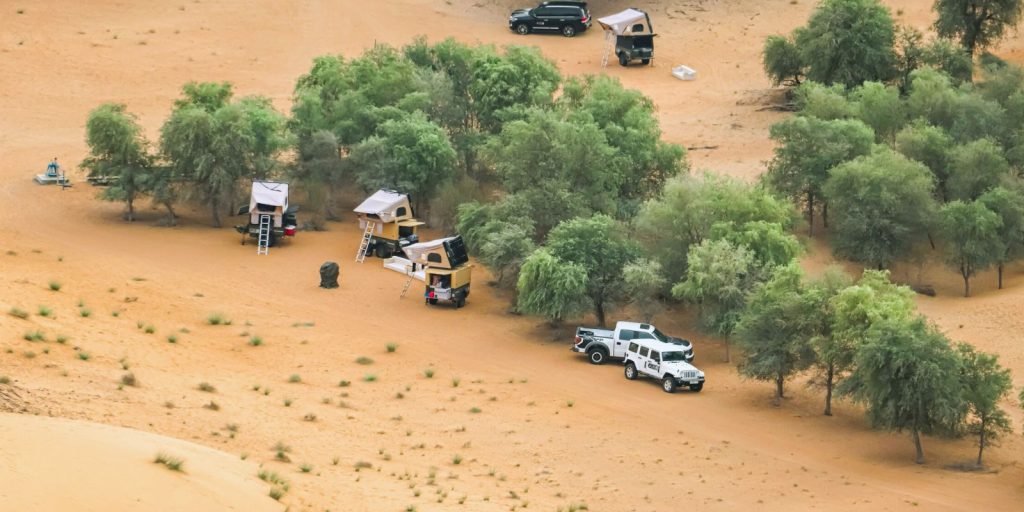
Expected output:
(387, 205)
(441, 253)
(623, 22)
(268, 193)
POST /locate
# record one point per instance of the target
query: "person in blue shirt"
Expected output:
(53, 168)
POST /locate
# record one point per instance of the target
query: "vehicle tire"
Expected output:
(697, 387)
(597, 355)
(623, 60)
(383, 251)
(568, 31)
(432, 302)
(459, 303)
(272, 240)
(668, 384)
(522, 29)
(369, 248)
(645, 61)
(630, 372)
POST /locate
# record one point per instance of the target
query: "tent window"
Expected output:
(434, 257)
(400, 211)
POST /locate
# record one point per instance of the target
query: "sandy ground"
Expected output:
(551, 431)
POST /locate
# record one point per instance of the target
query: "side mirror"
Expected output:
(243, 210)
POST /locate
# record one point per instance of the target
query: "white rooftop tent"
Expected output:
(268, 193)
(620, 24)
(385, 205)
(415, 251)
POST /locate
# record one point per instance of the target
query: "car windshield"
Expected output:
(673, 356)
(660, 336)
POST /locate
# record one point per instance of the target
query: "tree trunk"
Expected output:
(917, 446)
(828, 388)
(215, 210)
(810, 213)
(727, 351)
(130, 214)
(599, 312)
(999, 269)
(981, 437)
(824, 213)
(778, 391)
(172, 218)
(967, 283)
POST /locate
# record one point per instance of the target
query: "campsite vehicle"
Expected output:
(271, 218)
(446, 270)
(387, 223)
(633, 33)
(566, 18)
(600, 344)
(664, 361)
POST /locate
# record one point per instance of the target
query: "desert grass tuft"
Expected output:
(255, 341)
(55, 286)
(62, 339)
(7, 380)
(172, 463)
(128, 379)
(344, 383)
(363, 360)
(391, 347)
(45, 311)
(455, 382)
(36, 335)
(213, 406)
(17, 313)
(457, 459)
(369, 377)
(295, 378)
(149, 329)
(217, 319)
(428, 373)
(85, 312)
(84, 356)
(309, 417)
(207, 387)
(305, 468)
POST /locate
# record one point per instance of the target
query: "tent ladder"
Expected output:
(367, 236)
(263, 245)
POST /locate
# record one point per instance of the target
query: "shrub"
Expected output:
(370, 377)
(62, 339)
(45, 311)
(128, 379)
(213, 406)
(55, 286)
(455, 382)
(457, 459)
(84, 356)
(391, 347)
(475, 410)
(149, 329)
(363, 360)
(344, 384)
(428, 373)
(34, 336)
(305, 468)
(18, 313)
(171, 338)
(85, 312)
(5, 379)
(217, 319)
(287, 402)
(276, 493)
(309, 417)
(255, 341)
(295, 378)
(207, 387)
(172, 463)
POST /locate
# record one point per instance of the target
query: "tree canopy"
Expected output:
(118, 149)
(848, 42)
(976, 23)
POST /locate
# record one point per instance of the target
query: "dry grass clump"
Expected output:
(17, 313)
(363, 360)
(55, 286)
(129, 379)
(218, 319)
(207, 387)
(172, 463)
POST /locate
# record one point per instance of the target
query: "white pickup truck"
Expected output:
(664, 361)
(600, 344)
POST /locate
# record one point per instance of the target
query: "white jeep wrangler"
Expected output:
(664, 361)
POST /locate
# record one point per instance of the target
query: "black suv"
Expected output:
(568, 18)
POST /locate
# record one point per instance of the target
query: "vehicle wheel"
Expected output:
(697, 387)
(630, 371)
(668, 384)
(272, 241)
(623, 59)
(645, 61)
(383, 251)
(568, 31)
(459, 303)
(432, 302)
(369, 249)
(597, 355)
(522, 29)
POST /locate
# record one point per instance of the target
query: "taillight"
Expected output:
(584, 19)
(578, 340)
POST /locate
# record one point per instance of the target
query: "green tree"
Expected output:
(644, 283)
(318, 170)
(932, 97)
(884, 206)
(118, 149)
(985, 384)
(770, 244)
(522, 77)
(600, 247)
(550, 287)
(848, 317)
(949, 58)
(782, 60)
(977, 24)
(931, 146)
(411, 154)
(825, 102)
(1009, 206)
(807, 149)
(718, 278)
(505, 248)
(690, 206)
(848, 42)
(975, 117)
(775, 329)
(975, 168)
(972, 238)
(904, 376)
(880, 107)
(833, 357)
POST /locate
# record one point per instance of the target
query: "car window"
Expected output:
(565, 11)
(644, 352)
(633, 347)
(542, 11)
(655, 355)
(660, 336)
(640, 335)
(673, 356)
(626, 335)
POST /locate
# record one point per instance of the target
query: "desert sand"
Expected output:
(509, 420)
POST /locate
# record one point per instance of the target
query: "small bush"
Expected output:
(363, 360)
(217, 319)
(363, 465)
(457, 459)
(276, 493)
(207, 387)
(369, 377)
(305, 468)
(172, 463)
(62, 339)
(213, 406)
(29, 354)
(295, 378)
(475, 410)
(149, 329)
(455, 382)
(344, 383)
(428, 373)
(34, 336)
(55, 286)
(309, 417)
(391, 347)
(45, 311)
(171, 338)
(255, 341)
(18, 313)
(5, 379)
(287, 402)
(115, 313)
(84, 356)
(128, 379)
(85, 312)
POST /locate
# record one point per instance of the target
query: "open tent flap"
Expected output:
(622, 23)
(269, 193)
(384, 203)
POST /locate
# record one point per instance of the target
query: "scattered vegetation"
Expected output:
(55, 286)
(17, 313)
(206, 387)
(172, 463)
(363, 360)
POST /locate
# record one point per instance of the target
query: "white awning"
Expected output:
(382, 203)
(269, 193)
(622, 23)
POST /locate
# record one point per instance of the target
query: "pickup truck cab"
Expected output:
(600, 344)
(663, 361)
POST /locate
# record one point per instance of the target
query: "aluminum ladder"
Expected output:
(263, 242)
(408, 282)
(367, 236)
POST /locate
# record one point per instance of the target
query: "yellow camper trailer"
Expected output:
(446, 270)
(388, 225)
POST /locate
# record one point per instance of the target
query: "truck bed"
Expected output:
(594, 332)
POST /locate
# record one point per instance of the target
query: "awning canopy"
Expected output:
(622, 23)
(384, 203)
(269, 193)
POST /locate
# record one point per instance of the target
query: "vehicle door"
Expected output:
(653, 365)
(643, 360)
(545, 18)
(620, 341)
